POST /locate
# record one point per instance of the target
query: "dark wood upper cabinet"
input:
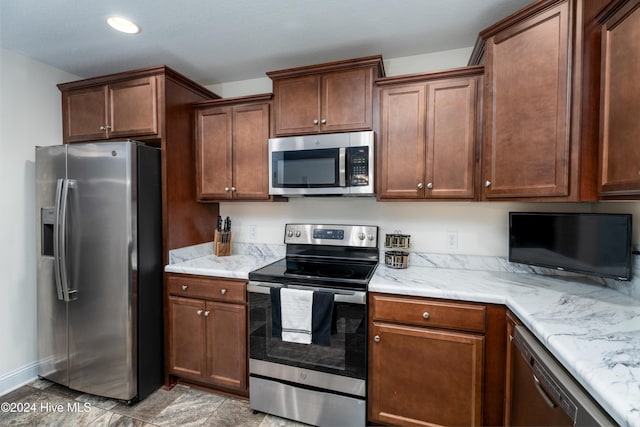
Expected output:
(331, 97)
(153, 105)
(620, 102)
(124, 109)
(429, 133)
(232, 148)
(541, 74)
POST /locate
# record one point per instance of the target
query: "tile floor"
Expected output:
(42, 403)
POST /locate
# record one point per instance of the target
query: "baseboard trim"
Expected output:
(18, 377)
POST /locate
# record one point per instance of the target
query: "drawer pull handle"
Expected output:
(199, 312)
(185, 287)
(376, 338)
(206, 313)
(425, 315)
(223, 291)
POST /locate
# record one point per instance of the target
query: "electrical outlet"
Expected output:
(452, 240)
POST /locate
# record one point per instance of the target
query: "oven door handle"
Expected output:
(339, 295)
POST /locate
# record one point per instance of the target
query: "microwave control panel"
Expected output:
(358, 166)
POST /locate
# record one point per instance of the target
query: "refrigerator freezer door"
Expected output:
(51, 308)
(102, 272)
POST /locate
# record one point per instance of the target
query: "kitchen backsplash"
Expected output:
(423, 259)
(268, 250)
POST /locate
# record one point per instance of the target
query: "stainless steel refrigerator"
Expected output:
(99, 262)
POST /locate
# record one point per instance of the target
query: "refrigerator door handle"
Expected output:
(69, 295)
(56, 240)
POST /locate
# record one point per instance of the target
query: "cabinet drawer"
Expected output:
(209, 288)
(422, 312)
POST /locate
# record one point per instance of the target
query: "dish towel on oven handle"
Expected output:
(293, 325)
(295, 310)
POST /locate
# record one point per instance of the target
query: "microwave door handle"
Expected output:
(56, 239)
(342, 162)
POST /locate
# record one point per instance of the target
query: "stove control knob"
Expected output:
(290, 233)
(298, 233)
(370, 236)
(362, 236)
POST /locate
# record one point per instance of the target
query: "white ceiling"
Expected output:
(219, 41)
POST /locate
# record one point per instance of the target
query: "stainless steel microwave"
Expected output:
(326, 164)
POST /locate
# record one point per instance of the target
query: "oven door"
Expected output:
(340, 366)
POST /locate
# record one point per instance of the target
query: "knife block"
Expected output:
(222, 243)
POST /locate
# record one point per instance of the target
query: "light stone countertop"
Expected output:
(593, 330)
(200, 260)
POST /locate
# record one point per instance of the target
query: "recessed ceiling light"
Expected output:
(123, 24)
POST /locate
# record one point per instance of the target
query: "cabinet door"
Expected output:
(297, 105)
(186, 337)
(213, 153)
(133, 108)
(250, 151)
(451, 139)
(420, 376)
(85, 114)
(527, 138)
(402, 142)
(620, 103)
(346, 100)
(227, 345)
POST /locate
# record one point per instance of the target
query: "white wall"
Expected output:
(30, 115)
(393, 67)
(481, 227)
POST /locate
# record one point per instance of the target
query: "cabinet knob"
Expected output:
(420, 185)
(323, 121)
(487, 183)
(223, 291)
(206, 313)
(376, 338)
(315, 121)
(185, 287)
(425, 315)
(226, 189)
(233, 189)
(199, 312)
(430, 185)
(105, 127)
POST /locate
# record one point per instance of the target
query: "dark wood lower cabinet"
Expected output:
(186, 349)
(426, 376)
(207, 336)
(226, 349)
(435, 362)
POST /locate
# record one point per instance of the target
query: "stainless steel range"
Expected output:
(308, 325)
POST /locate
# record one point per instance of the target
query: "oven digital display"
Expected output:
(328, 234)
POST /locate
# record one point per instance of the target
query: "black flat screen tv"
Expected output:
(593, 244)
